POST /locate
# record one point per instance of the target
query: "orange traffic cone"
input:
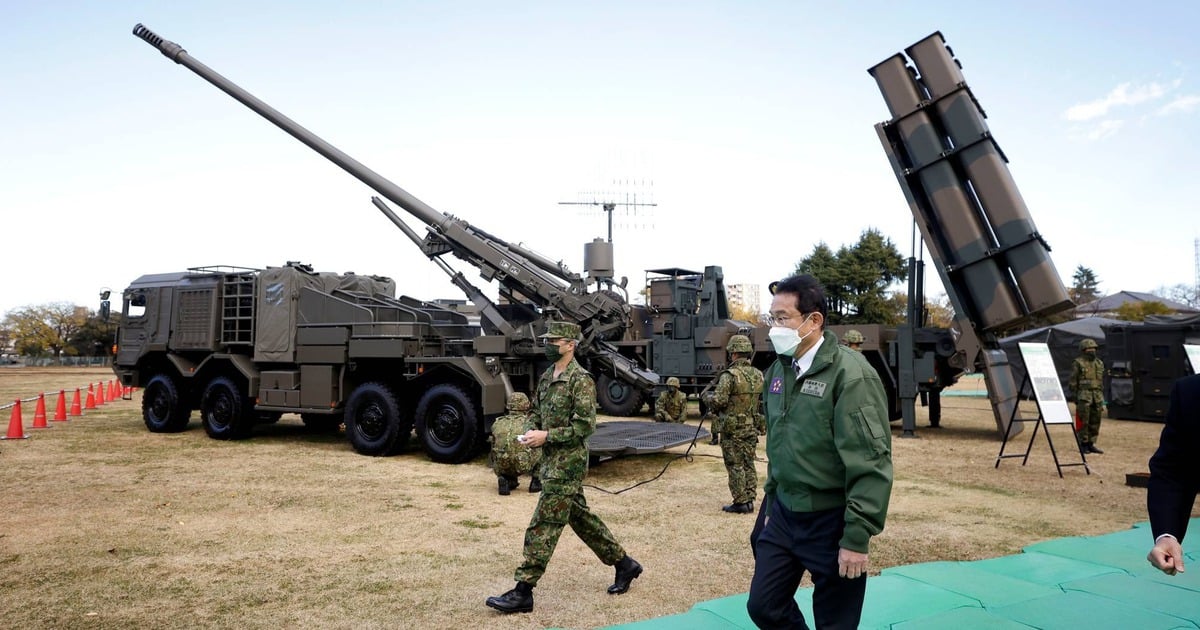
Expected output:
(60, 408)
(39, 413)
(91, 397)
(75, 410)
(16, 430)
(112, 390)
(99, 393)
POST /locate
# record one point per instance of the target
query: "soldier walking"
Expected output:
(735, 401)
(563, 416)
(510, 457)
(671, 405)
(1087, 381)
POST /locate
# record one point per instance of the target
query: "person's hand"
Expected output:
(1167, 555)
(534, 438)
(851, 564)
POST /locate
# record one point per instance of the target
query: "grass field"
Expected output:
(105, 525)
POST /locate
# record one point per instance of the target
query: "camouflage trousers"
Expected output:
(738, 453)
(554, 511)
(1089, 417)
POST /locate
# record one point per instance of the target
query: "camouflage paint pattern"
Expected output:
(671, 406)
(510, 458)
(564, 407)
(736, 403)
(1087, 381)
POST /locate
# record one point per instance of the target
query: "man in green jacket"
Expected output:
(563, 416)
(829, 474)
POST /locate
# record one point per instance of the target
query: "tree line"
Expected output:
(57, 329)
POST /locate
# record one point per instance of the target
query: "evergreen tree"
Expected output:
(857, 279)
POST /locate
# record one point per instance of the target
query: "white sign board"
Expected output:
(1044, 379)
(1193, 355)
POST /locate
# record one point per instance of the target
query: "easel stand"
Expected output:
(1041, 421)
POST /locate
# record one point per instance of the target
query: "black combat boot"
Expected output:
(502, 485)
(1092, 448)
(740, 508)
(716, 439)
(518, 600)
(514, 482)
(627, 570)
(535, 485)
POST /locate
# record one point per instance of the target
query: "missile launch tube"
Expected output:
(1004, 208)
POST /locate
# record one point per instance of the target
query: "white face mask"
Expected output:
(786, 340)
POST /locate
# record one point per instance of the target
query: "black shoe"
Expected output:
(627, 570)
(1092, 448)
(740, 508)
(714, 441)
(514, 483)
(518, 600)
(502, 485)
(535, 485)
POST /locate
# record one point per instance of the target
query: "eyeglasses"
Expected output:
(782, 320)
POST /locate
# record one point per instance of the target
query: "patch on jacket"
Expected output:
(813, 388)
(776, 385)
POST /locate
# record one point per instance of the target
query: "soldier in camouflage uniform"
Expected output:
(1087, 381)
(563, 417)
(853, 339)
(671, 405)
(736, 402)
(510, 458)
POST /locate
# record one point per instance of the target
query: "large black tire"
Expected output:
(321, 422)
(226, 413)
(617, 398)
(163, 409)
(374, 423)
(448, 424)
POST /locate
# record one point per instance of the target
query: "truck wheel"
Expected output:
(448, 424)
(617, 398)
(225, 411)
(374, 423)
(162, 409)
(321, 422)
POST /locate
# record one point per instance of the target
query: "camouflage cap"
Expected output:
(739, 343)
(673, 382)
(1087, 344)
(518, 402)
(561, 330)
(853, 336)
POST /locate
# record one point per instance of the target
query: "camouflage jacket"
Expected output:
(564, 407)
(670, 407)
(735, 400)
(1087, 379)
(510, 456)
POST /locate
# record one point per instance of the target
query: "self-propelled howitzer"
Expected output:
(526, 278)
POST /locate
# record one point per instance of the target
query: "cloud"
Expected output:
(1180, 105)
(1125, 94)
(1104, 129)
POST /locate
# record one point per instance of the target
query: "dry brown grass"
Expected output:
(105, 525)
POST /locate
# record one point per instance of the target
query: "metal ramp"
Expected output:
(633, 437)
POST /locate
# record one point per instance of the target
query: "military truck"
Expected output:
(1143, 360)
(246, 345)
(532, 288)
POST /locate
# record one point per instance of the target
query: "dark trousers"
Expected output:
(790, 544)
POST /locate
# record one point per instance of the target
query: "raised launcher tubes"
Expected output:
(995, 266)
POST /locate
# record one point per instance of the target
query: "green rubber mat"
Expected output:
(1158, 596)
(1073, 610)
(984, 587)
(1093, 582)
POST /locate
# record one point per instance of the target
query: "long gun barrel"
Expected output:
(536, 277)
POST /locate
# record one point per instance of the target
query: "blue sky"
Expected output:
(750, 125)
